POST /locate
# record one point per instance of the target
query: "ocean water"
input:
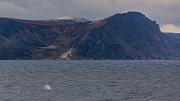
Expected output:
(86, 80)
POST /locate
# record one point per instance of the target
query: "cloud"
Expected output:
(9, 9)
(170, 28)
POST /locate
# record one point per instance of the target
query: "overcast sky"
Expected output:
(165, 12)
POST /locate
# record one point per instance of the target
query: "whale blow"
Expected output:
(47, 87)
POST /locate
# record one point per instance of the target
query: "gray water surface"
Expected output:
(110, 80)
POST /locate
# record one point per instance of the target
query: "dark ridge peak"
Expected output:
(134, 13)
(134, 21)
(131, 15)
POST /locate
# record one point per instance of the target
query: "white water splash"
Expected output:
(47, 87)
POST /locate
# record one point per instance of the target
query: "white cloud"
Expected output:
(170, 28)
(12, 10)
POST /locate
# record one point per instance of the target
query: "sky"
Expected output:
(165, 12)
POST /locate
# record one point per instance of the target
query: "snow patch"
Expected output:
(68, 18)
(77, 19)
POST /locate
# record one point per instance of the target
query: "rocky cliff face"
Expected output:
(126, 36)
(122, 36)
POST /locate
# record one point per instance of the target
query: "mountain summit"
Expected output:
(73, 18)
(122, 36)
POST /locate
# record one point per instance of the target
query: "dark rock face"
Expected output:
(122, 36)
(127, 36)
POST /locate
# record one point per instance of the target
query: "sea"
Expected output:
(89, 80)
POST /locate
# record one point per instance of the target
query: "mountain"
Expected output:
(122, 36)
